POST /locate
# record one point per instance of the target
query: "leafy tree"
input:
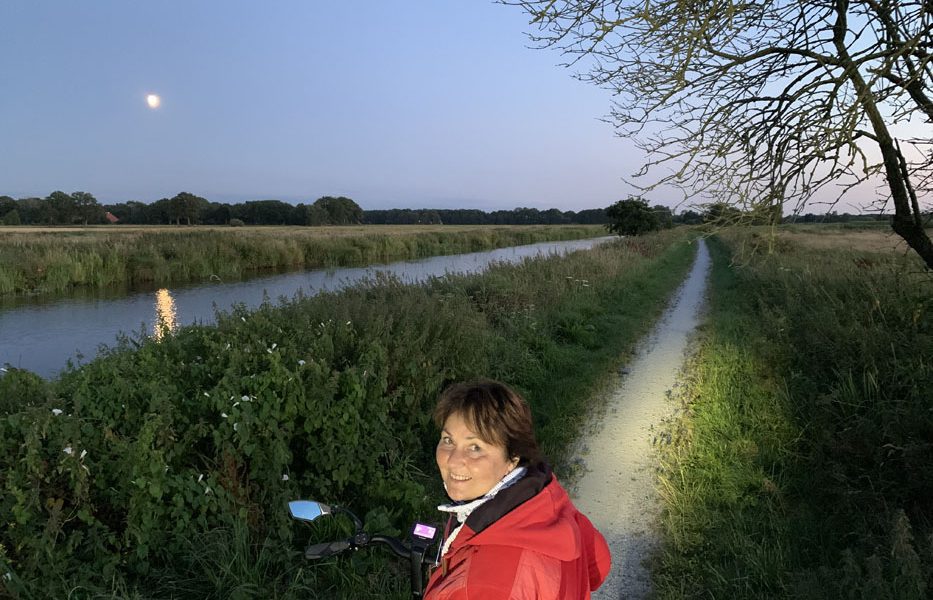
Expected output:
(690, 217)
(132, 212)
(267, 212)
(665, 216)
(316, 214)
(6, 205)
(340, 210)
(764, 103)
(721, 213)
(34, 210)
(553, 216)
(11, 218)
(86, 208)
(161, 211)
(61, 208)
(632, 216)
(215, 213)
(592, 216)
(187, 206)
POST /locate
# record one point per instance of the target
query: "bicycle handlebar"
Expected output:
(316, 551)
(397, 547)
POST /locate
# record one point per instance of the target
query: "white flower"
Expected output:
(67, 450)
(244, 398)
(235, 404)
(227, 347)
(8, 576)
(348, 322)
(56, 411)
(285, 477)
(224, 415)
(200, 477)
(236, 426)
(274, 345)
(243, 319)
(83, 454)
(301, 363)
(207, 490)
(206, 395)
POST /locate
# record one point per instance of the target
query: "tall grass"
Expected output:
(195, 443)
(802, 460)
(45, 262)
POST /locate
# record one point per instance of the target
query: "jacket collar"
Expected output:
(535, 480)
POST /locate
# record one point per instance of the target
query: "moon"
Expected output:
(153, 101)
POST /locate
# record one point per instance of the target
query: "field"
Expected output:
(800, 465)
(828, 237)
(49, 260)
(162, 468)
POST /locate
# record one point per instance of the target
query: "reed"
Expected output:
(50, 261)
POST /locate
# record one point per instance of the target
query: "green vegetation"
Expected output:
(633, 216)
(44, 261)
(162, 469)
(801, 463)
(60, 208)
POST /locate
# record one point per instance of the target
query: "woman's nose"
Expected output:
(454, 456)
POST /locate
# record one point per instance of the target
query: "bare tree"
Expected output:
(763, 104)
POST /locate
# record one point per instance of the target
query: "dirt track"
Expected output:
(617, 491)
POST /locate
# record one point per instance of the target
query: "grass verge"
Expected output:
(800, 463)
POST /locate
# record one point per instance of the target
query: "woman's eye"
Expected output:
(475, 448)
(446, 441)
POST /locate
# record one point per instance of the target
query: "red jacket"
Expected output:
(528, 542)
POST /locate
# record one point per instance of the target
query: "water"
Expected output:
(42, 335)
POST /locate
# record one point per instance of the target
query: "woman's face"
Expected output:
(469, 465)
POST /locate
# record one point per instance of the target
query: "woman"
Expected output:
(513, 532)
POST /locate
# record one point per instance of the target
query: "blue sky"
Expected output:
(395, 104)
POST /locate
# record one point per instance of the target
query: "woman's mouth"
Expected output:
(460, 478)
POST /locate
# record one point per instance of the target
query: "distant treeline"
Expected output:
(60, 208)
(472, 216)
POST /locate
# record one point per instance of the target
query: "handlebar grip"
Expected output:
(326, 549)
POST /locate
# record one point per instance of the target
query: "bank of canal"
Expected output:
(42, 335)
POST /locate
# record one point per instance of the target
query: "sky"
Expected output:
(415, 104)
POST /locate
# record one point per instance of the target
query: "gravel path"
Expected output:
(617, 490)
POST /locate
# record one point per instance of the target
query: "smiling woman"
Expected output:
(517, 533)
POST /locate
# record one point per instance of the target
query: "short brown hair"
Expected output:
(498, 414)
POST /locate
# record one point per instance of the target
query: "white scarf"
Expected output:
(462, 511)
